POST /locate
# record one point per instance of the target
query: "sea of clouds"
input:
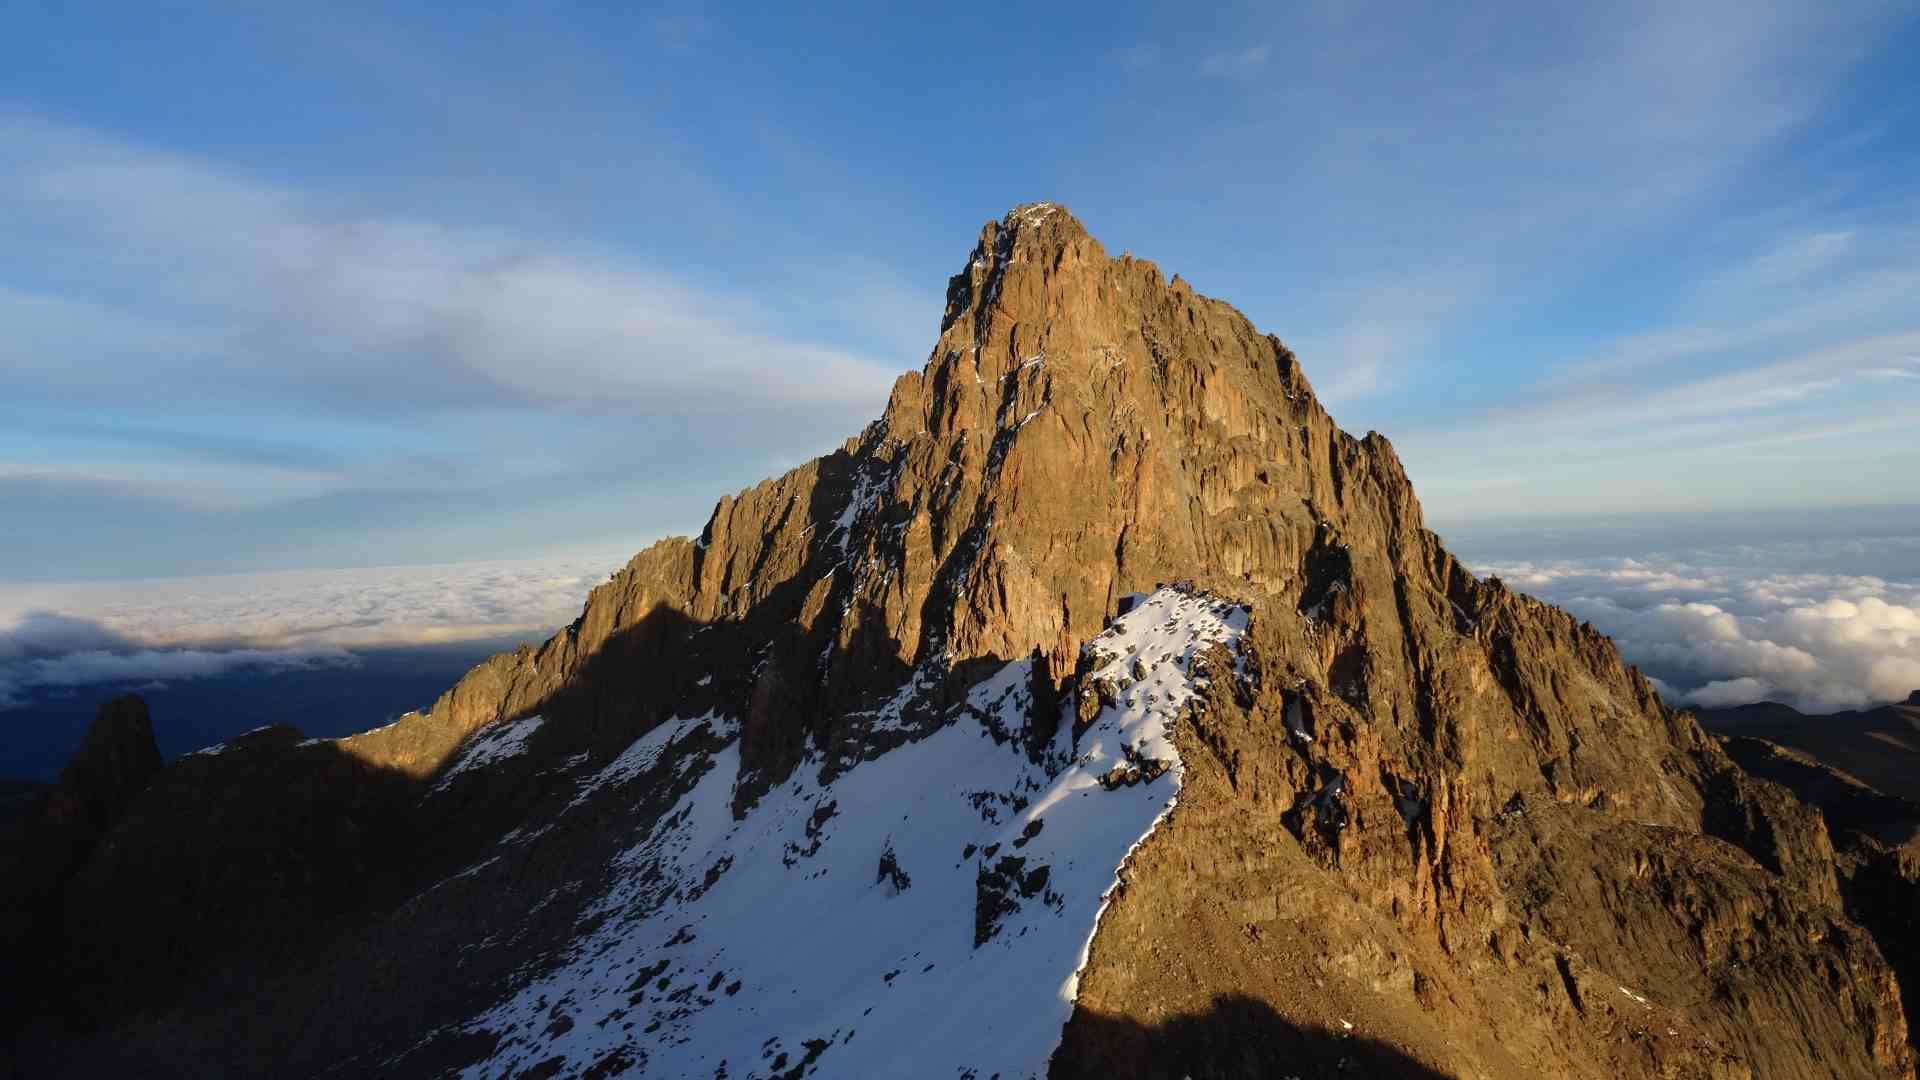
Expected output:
(1822, 622)
(1738, 623)
(55, 637)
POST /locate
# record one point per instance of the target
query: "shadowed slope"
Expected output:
(1232, 1038)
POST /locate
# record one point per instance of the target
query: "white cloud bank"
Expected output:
(1714, 626)
(92, 667)
(62, 636)
(1720, 630)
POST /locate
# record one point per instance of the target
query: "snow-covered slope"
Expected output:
(925, 913)
(494, 744)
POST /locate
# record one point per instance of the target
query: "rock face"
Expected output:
(1424, 825)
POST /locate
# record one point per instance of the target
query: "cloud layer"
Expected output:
(1722, 628)
(62, 636)
(1792, 620)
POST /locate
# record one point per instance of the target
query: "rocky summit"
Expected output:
(1102, 709)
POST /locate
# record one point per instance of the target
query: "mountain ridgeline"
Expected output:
(1102, 709)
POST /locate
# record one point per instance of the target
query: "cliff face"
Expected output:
(1425, 825)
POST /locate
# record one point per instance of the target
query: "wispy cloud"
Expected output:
(255, 307)
(1379, 326)
(1783, 382)
(1517, 157)
(1742, 390)
(195, 485)
(261, 283)
(1806, 284)
(1790, 263)
(1814, 433)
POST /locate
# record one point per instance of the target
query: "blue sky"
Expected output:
(353, 287)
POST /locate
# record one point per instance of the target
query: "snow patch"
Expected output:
(926, 913)
(496, 742)
(222, 747)
(1296, 723)
(644, 753)
(865, 496)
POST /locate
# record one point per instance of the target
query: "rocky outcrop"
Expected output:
(245, 847)
(1428, 823)
(1846, 804)
(115, 760)
(1878, 747)
(1876, 835)
(1882, 887)
(50, 834)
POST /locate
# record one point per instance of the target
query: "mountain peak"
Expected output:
(1032, 230)
(1317, 752)
(1033, 248)
(1084, 429)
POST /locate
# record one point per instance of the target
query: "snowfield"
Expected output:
(497, 743)
(926, 913)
